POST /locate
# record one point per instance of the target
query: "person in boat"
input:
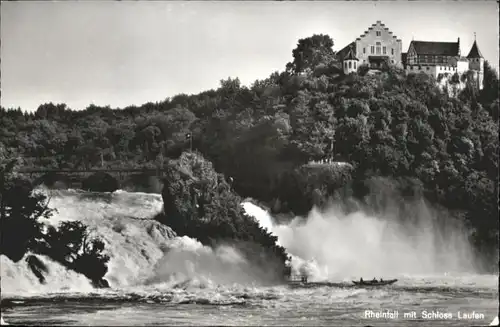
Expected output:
(361, 280)
(288, 271)
(381, 280)
(374, 280)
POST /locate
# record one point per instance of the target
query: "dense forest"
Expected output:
(385, 123)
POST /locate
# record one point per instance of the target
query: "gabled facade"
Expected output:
(376, 47)
(423, 52)
(442, 60)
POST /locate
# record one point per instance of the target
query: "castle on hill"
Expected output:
(378, 46)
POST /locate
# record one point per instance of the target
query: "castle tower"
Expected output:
(350, 62)
(476, 62)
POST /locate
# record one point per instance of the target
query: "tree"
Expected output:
(72, 245)
(20, 211)
(489, 94)
(310, 52)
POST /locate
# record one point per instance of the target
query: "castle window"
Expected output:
(392, 61)
(364, 50)
(350, 64)
(372, 49)
(428, 68)
(392, 51)
(384, 50)
(354, 65)
(378, 33)
(345, 64)
(378, 47)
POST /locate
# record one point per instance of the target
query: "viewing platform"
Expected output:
(328, 162)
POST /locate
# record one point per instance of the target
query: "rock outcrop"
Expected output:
(199, 203)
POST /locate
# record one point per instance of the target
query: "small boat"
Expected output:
(297, 280)
(374, 282)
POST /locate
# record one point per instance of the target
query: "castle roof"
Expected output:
(350, 55)
(474, 51)
(341, 54)
(436, 48)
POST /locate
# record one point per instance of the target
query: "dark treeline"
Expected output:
(386, 124)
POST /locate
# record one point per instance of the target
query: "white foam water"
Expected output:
(332, 245)
(17, 278)
(142, 251)
(151, 267)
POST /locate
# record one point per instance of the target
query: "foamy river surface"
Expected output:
(158, 278)
(447, 301)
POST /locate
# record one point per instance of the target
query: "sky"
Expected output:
(122, 53)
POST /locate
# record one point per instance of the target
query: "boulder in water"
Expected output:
(100, 283)
(100, 182)
(199, 203)
(38, 267)
(159, 231)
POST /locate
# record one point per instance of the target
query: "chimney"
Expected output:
(458, 46)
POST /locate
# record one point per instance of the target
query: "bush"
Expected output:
(363, 69)
(72, 245)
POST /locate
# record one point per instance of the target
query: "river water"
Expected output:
(192, 285)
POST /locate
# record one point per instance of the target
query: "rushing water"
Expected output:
(160, 279)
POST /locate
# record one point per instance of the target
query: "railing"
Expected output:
(327, 161)
(108, 170)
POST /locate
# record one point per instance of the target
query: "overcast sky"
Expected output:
(132, 52)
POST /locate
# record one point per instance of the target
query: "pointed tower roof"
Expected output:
(474, 51)
(350, 55)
